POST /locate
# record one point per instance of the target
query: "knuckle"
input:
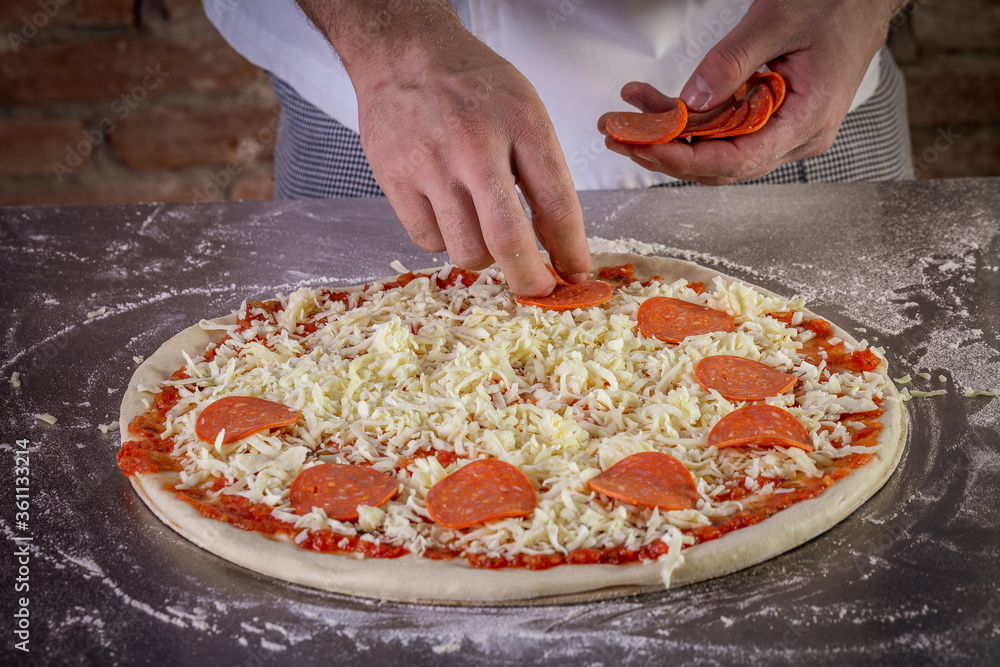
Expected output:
(506, 243)
(557, 211)
(731, 60)
(473, 259)
(537, 287)
(429, 240)
(400, 166)
(528, 124)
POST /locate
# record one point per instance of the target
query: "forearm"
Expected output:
(372, 34)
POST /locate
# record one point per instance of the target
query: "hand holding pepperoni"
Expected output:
(452, 130)
(821, 48)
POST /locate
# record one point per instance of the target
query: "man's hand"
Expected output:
(450, 128)
(821, 47)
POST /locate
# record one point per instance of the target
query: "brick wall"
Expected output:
(140, 100)
(126, 101)
(949, 51)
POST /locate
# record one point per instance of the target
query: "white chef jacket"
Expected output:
(577, 53)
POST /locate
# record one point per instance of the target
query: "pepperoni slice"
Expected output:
(630, 127)
(740, 114)
(775, 83)
(704, 122)
(339, 488)
(673, 320)
(559, 280)
(759, 107)
(481, 491)
(241, 416)
(740, 379)
(759, 426)
(649, 479)
(567, 297)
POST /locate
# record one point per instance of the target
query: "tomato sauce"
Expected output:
(617, 276)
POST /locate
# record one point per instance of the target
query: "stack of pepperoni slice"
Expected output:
(746, 111)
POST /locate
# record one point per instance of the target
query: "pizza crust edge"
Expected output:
(416, 579)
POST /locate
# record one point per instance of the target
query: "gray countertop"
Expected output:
(911, 577)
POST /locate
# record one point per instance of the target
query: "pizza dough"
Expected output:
(412, 578)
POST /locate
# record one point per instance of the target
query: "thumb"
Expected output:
(729, 64)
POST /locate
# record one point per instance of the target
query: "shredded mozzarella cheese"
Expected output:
(562, 395)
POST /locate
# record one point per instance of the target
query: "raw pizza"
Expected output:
(433, 438)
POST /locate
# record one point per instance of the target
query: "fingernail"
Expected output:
(577, 278)
(616, 147)
(643, 154)
(696, 93)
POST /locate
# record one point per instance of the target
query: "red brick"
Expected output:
(252, 186)
(953, 90)
(135, 66)
(967, 151)
(32, 146)
(941, 26)
(169, 138)
(900, 40)
(111, 189)
(22, 16)
(183, 10)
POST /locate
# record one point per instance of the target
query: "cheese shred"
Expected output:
(417, 380)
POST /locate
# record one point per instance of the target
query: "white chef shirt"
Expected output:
(577, 53)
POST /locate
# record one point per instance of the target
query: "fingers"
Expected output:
(448, 145)
(822, 50)
(473, 210)
(555, 207)
(417, 216)
(478, 220)
(455, 213)
(508, 233)
(642, 95)
(715, 162)
(731, 62)
(793, 134)
(647, 98)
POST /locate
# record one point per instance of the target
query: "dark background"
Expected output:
(68, 68)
